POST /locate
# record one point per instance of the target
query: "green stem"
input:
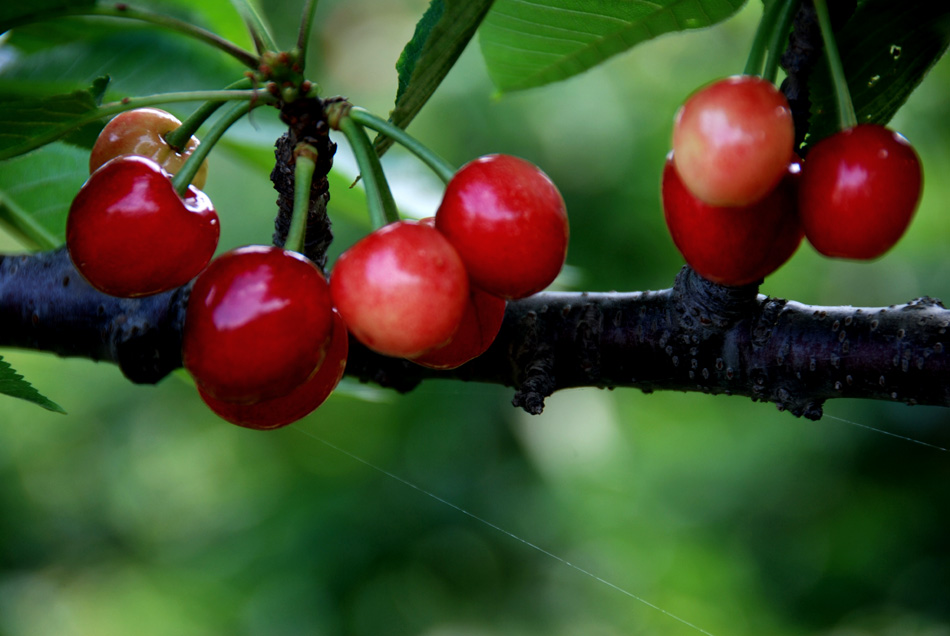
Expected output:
(753, 65)
(179, 137)
(305, 156)
(131, 103)
(777, 42)
(438, 165)
(306, 26)
(260, 30)
(846, 116)
(193, 163)
(123, 11)
(379, 199)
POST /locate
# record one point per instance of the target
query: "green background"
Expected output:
(141, 513)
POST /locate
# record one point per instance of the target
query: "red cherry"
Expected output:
(142, 132)
(130, 234)
(508, 222)
(860, 188)
(733, 245)
(401, 290)
(733, 140)
(257, 324)
(481, 322)
(301, 401)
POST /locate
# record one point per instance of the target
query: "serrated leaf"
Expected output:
(24, 117)
(533, 43)
(36, 190)
(13, 384)
(12, 13)
(886, 49)
(441, 35)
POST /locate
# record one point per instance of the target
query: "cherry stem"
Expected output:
(778, 40)
(379, 199)
(179, 137)
(306, 26)
(259, 29)
(131, 103)
(305, 157)
(438, 165)
(124, 11)
(193, 163)
(753, 65)
(846, 116)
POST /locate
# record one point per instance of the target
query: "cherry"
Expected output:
(130, 234)
(481, 322)
(301, 401)
(142, 132)
(257, 325)
(860, 188)
(733, 140)
(401, 290)
(733, 245)
(509, 224)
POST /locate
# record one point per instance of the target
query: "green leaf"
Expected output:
(439, 39)
(533, 43)
(36, 190)
(23, 117)
(886, 48)
(12, 13)
(13, 384)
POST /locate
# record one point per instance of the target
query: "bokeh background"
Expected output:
(141, 513)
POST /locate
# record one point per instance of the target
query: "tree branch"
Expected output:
(696, 336)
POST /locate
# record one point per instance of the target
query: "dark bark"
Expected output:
(696, 336)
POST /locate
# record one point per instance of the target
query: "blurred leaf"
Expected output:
(20, 12)
(36, 190)
(24, 117)
(441, 35)
(13, 384)
(527, 44)
(886, 48)
(141, 60)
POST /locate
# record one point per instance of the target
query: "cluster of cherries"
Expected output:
(737, 199)
(266, 336)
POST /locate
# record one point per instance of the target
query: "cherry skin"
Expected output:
(733, 140)
(301, 401)
(733, 245)
(481, 322)
(509, 224)
(257, 324)
(130, 234)
(401, 290)
(860, 188)
(142, 132)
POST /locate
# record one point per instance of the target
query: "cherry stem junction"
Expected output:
(379, 199)
(179, 137)
(193, 163)
(438, 165)
(846, 116)
(305, 157)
